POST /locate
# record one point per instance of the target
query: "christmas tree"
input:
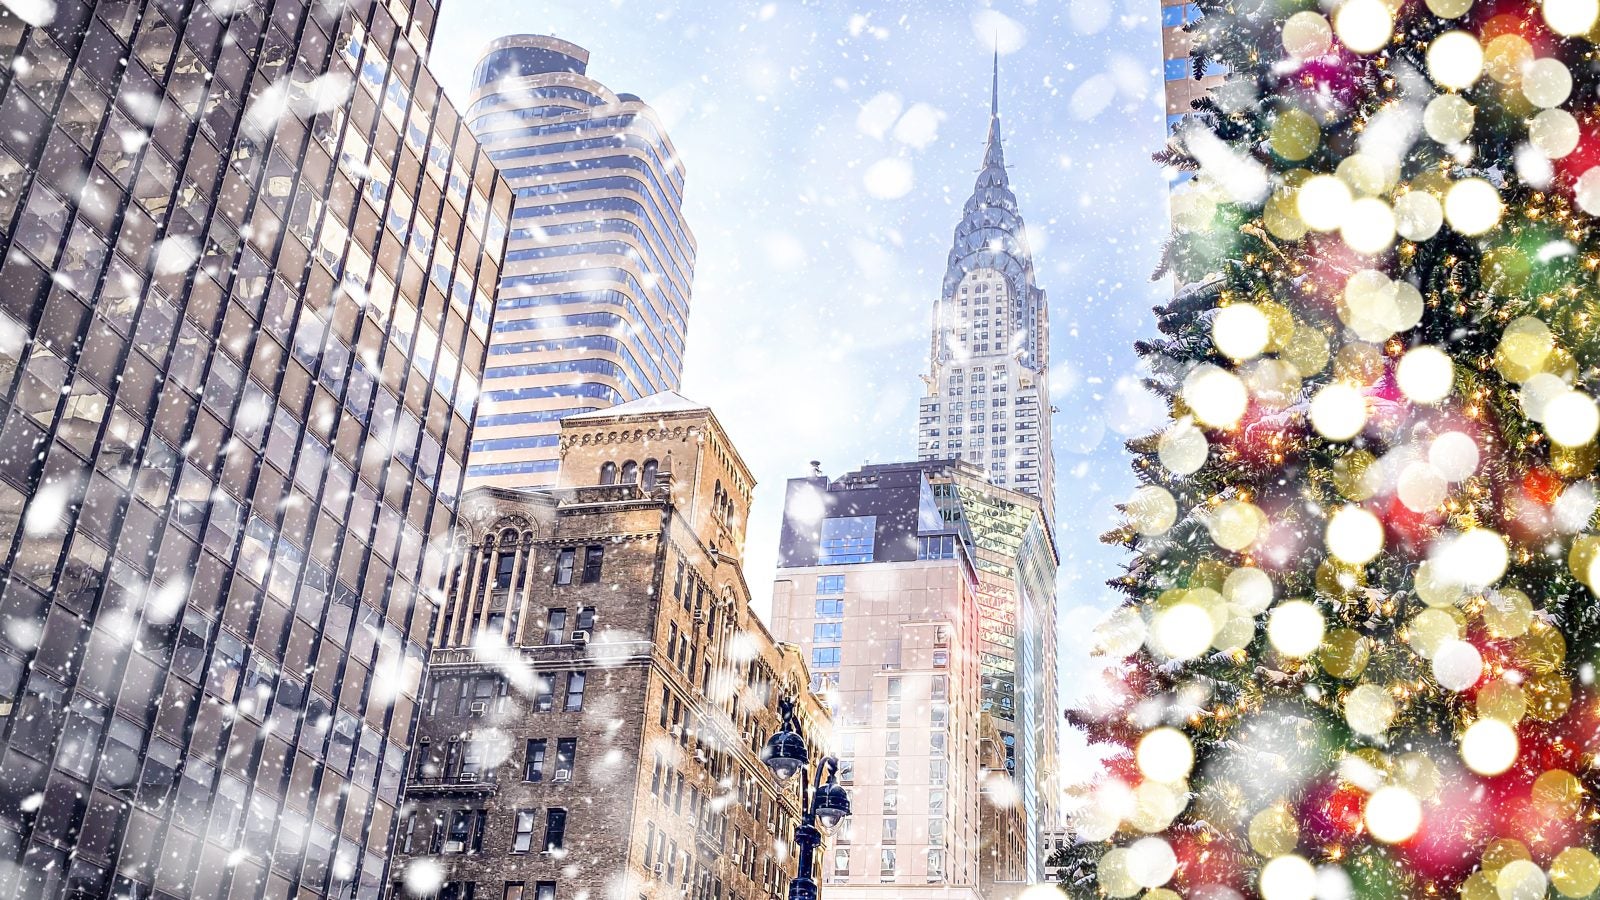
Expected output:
(1360, 621)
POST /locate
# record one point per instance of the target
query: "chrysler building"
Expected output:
(988, 389)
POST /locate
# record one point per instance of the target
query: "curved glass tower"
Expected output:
(594, 298)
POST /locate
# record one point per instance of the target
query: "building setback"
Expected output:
(247, 260)
(601, 692)
(594, 300)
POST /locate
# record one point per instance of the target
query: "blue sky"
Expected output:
(829, 147)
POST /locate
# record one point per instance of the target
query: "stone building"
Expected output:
(868, 559)
(601, 691)
(882, 594)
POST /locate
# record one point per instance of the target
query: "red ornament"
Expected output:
(1542, 485)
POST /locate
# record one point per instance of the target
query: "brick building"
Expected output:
(601, 692)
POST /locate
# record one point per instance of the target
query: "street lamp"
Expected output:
(824, 803)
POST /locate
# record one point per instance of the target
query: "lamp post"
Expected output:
(823, 804)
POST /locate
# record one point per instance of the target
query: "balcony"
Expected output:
(470, 783)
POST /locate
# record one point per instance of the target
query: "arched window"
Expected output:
(608, 473)
(647, 477)
(630, 472)
(716, 499)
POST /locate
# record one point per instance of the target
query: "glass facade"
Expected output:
(249, 255)
(594, 301)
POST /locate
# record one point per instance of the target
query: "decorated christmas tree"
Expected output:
(1358, 640)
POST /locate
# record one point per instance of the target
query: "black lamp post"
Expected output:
(822, 803)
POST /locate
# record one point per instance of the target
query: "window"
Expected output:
(935, 865)
(891, 804)
(647, 476)
(827, 632)
(555, 627)
(608, 473)
(546, 890)
(886, 864)
(891, 771)
(830, 584)
(630, 472)
(592, 557)
(937, 546)
(564, 561)
(503, 567)
(585, 618)
(825, 656)
(892, 744)
(841, 862)
(543, 693)
(895, 685)
(848, 539)
(460, 831)
(830, 606)
(1177, 69)
(522, 841)
(566, 753)
(574, 692)
(534, 767)
(555, 834)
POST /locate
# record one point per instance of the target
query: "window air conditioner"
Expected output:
(580, 638)
(478, 708)
(562, 775)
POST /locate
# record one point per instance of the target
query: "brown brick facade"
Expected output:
(600, 691)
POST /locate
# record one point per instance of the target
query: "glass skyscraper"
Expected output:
(247, 260)
(594, 300)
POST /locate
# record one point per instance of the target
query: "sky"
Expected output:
(829, 147)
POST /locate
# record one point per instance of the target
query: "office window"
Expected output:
(830, 584)
(1177, 69)
(830, 606)
(841, 861)
(891, 799)
(555, 627)
(848, 539)
(886, 862)
(935, 865)
(825, 656)
(566, 753)
(522, 841)
(938, 546)
(533, 769)
(891, 771)
(555, 832)
(564, 562)
(592, 558)
(574, 692)
(827, 632)
(892, 744)
(895, 685)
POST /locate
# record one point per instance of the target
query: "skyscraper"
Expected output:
(602, 692)
(928, 575)
(988, 397)
(880, 593)
(248, 257)
(1182, 88)
(594, 300)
